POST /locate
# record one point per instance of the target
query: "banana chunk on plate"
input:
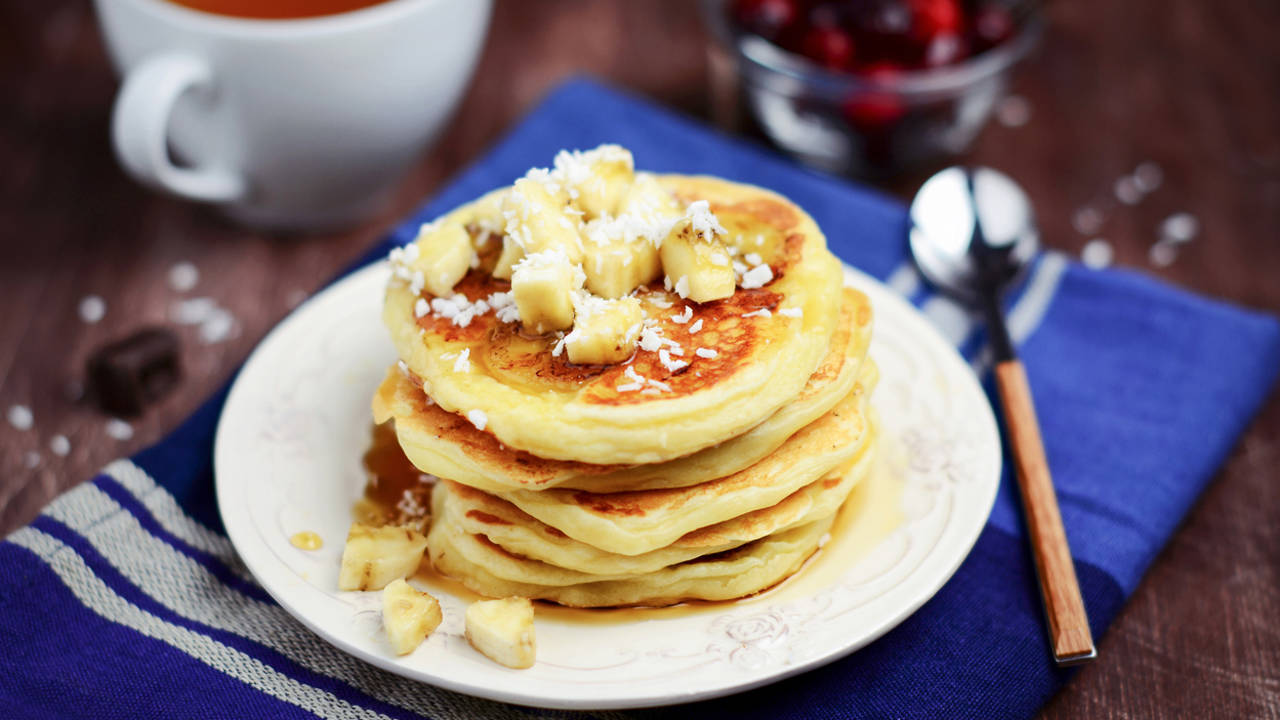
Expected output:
(502, 630)
(408, 615)
(375, 556)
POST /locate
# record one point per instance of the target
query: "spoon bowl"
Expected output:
(973, 232)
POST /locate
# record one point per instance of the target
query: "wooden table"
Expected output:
(1189, 85)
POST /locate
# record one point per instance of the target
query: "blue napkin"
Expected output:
(1142, 390)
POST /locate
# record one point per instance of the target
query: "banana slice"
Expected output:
(374, 556)
(408, 615)
(604, 331)
(694, 258)
(542, 285)
(502, 630)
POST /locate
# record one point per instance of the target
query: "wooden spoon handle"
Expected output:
(1064, 608)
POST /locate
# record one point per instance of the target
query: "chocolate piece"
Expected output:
(128, 374)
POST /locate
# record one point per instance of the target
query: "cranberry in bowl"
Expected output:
(873, 87)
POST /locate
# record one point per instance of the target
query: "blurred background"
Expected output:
(1145, 133)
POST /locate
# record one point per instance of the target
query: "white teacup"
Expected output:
(291, 124)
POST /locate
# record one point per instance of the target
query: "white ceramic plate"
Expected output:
(288, 459)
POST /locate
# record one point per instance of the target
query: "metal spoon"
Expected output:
(972, 234)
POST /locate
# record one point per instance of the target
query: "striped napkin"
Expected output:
(125, 600)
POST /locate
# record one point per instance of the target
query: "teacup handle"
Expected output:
(140, 129)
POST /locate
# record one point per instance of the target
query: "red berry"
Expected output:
(930, 18)
(992, 25)
(830, 47)
(765, 17)
(875, 108)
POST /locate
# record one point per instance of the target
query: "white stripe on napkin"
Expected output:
(189, 589)
(166, 511)
(905, 280)
(98, 597)
(952, 319)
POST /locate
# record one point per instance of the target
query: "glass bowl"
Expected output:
(868, 126)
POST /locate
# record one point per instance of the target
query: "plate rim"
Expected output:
(254, 563)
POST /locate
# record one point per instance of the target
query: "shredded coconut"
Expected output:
(658, 384)
(696, 326)
(705, 353)
(762, 312)
(60, 445)
(92, 309)
(682, 286)
(756, 277)
(119, 429)
(463, 363)
(684, 316)
(183, 277)
(478, 418)
(20, 417)
(664, 357)
(753, 258)
(703, 221)
(651, 339)
(421, 307)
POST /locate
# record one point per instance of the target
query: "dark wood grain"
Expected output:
(1188, 84)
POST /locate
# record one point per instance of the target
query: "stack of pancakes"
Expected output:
(708, 468)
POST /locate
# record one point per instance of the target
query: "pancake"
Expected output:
(515, 388)
(446, 445)
(568, 561)
(735, 573)
(632, 523)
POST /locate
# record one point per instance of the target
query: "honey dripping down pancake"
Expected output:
(703, 372)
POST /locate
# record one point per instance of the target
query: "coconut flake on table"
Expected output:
(183, 277)
(60, 445)
(21, 417)
(1097, 253)
(220, 326)
(1179, 228)
(1127, 191)
(118, 429)
(1087, 220)
(1163, 253)
(1014, 111)
(92, 309)
(1148, 176)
